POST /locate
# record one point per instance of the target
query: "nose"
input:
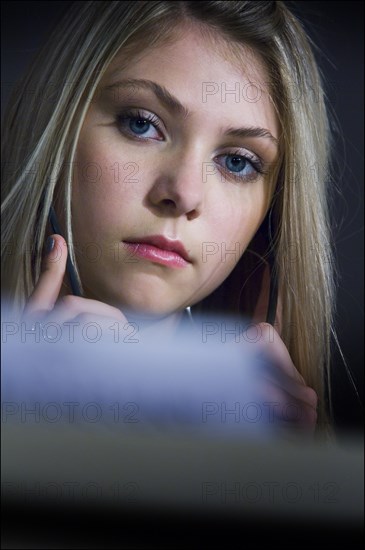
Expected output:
(178, 189)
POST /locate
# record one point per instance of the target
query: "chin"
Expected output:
(147, 298)
(152, 306)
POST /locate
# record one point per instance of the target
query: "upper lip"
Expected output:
(164, 243)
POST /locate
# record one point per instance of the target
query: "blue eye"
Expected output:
(145, 127)
(139, 125)
(236, 164)
(242, 167)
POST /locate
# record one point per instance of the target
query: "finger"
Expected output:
(296, 390)
(86, 328)
(273, 388)
(277, 351)
(112, 329)
(47, 289)
(299, 415)
(68, 307)
(290, 378)
(286, 407)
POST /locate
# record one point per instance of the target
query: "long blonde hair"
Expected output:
(41, 133)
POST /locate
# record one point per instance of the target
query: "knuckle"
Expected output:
(311, 396)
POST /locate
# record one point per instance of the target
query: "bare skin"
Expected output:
(45, 305)
(171, 198)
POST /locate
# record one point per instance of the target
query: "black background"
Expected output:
(337, 29)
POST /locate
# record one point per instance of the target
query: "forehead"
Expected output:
(185, 43)
(204, 71)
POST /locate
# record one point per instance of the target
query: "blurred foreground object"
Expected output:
(102, 436)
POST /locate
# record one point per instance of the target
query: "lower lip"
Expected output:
(157, 255)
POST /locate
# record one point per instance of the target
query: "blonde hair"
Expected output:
(41, 135)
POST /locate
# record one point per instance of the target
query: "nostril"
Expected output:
(168, 202)
(192, 215)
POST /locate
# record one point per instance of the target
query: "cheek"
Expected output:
(104, 186)
(239, 216)
(232, 233)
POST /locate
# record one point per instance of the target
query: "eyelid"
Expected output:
(156, 122)
(137, 112)
(241, 152)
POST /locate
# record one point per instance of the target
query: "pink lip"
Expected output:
(159, 249)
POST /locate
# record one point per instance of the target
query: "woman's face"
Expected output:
(161, 215)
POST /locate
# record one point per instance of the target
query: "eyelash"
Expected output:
(255, 162)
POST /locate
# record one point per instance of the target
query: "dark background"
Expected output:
(337, 29)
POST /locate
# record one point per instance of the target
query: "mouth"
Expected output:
(159, 249)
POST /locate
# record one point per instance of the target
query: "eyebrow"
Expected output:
(174, 105)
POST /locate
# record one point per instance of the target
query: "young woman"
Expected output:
(181, 149)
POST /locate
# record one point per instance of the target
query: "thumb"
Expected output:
(47, 289)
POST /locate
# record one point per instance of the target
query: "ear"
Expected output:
(260, 312)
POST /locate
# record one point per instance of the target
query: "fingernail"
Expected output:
(49, 244)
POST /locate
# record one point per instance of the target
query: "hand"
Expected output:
(296, 407)
(46, 306)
